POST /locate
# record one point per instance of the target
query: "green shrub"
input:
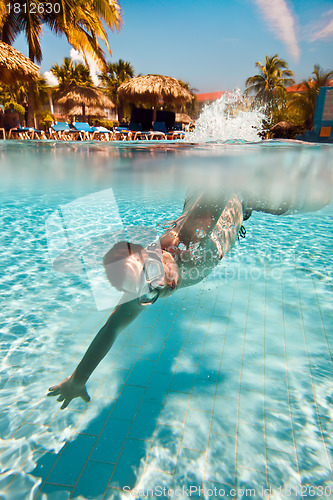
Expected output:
(109, 124)
(47, 119)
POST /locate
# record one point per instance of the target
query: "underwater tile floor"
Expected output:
(224, 386)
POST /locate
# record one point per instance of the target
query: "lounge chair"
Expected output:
(61, 131)
(85, 130)
(26, 133)
(160, 131)
(177, 132)
(122, 133)
(137, 132)
(102, 134)
(20, 133)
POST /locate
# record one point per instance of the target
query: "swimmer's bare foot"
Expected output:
(67, 390)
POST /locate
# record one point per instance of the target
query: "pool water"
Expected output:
(223, 389)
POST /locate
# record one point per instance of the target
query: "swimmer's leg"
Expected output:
(264, 206)
(300, 203)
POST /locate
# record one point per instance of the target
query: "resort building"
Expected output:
(207, 98)
(300, 87)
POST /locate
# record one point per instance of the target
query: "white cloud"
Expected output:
(282, 22)
(51, 79)
(93, 67)
(76, 56)
(323, 29)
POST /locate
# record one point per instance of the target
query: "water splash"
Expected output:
(229, 118)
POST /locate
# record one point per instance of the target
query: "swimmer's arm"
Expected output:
(74, 385)
(122, 316)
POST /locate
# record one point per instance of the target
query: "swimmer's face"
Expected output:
(166, 273)
(133, 271)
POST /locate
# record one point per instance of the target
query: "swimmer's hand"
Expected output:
(67, 390)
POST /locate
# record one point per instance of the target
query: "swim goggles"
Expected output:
(152, 273)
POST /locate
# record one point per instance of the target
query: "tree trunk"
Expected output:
(155, 109)
(51, 102)
(120, 111)
(31, 104)
(31, 96)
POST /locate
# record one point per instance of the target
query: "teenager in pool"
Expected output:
(185, 254)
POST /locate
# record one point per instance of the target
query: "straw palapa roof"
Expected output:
(15, 66)
(89, 111)
(152, 88)
(183, 118)
(88, 96)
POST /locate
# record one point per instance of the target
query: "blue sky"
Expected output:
(213, 45)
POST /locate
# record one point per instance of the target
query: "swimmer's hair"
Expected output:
(117, 254)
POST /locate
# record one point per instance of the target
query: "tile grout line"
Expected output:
(264, 382)
(35, 328)
(45, 481)
(288, 385)
(74, 430)
(33, 410)
(155, 431)
(311, 378)
(46, 363)
(321, 319)
(239, 386)
(108, 485)
(219, 370)
(190, 396)
(110, 414)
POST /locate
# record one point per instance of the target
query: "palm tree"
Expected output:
(3, 8)
(16, 21)
(112, 77)
(188, 107)
(305, 98)
(269, 85)
(16, 92)
(81, 21)
(41, 92)
(69, 74)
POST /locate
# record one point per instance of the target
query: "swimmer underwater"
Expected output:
(185, 254)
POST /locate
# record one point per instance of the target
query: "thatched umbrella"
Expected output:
(85, 96)
(15, 66)
(150, 89)
(183, 118)
(90, 111)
